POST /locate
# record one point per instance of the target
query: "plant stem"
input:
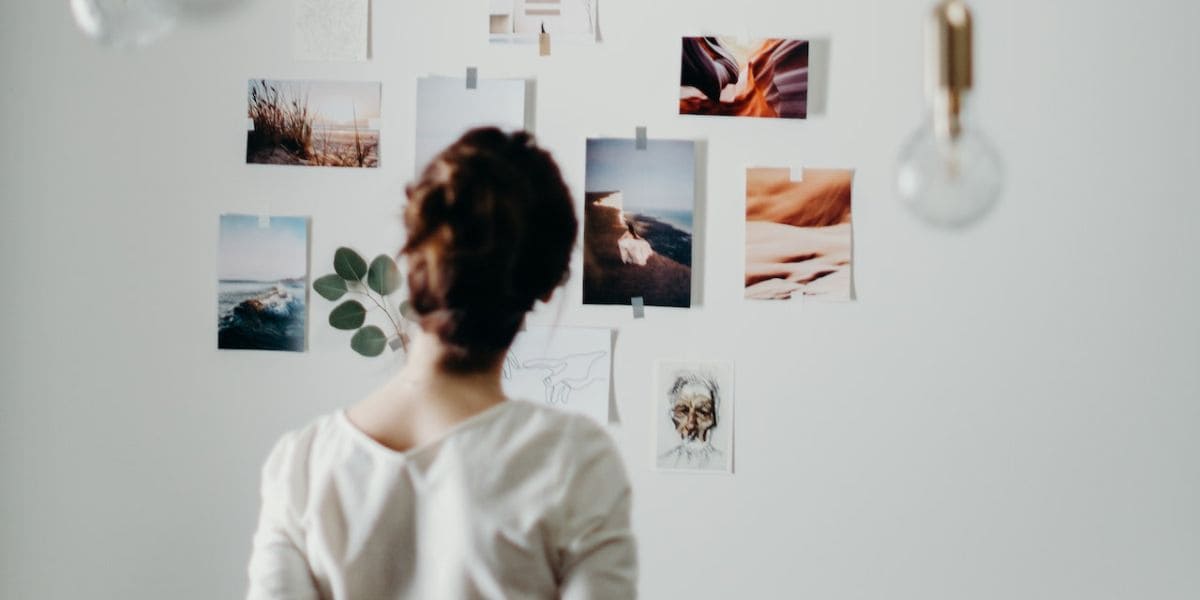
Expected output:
(386, 312)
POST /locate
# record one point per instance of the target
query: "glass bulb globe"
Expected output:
(949, 182)
(125, 23)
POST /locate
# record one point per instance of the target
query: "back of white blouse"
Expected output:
(520, 501)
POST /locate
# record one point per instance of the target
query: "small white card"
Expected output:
(693, 408)
(333, 30)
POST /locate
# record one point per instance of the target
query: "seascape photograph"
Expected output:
(313, 123)
(638, 231)
(799, 235)
(262, 287)
(730, 77)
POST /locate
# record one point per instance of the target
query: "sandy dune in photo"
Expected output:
(326, 149)
(798, 234)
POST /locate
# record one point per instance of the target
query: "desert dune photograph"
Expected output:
(799, 236)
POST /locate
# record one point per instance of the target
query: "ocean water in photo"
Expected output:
(669, 233)
(261, 315)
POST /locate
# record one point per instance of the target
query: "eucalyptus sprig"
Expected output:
(374, 283)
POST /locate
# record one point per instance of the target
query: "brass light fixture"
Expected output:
(948, 173)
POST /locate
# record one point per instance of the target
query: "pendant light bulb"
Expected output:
(948, 174)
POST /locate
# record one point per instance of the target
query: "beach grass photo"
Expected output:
(262, 288)
(799, 235)
(726, 76)
(313, 123)
(639, 205)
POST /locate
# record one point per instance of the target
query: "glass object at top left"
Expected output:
(125, 23)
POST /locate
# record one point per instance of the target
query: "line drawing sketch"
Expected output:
(565, 375)
(566, 368)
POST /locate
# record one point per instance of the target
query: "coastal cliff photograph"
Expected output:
(313, 123)
(262, 287)
(725, 76)
(637, 233)
(799, 235)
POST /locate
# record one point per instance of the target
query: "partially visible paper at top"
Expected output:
(334, 30)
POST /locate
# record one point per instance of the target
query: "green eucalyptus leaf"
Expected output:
(349, 265)
(408, 312)
(369, 341)
(330, 287)
(348, 315)
(384, 275)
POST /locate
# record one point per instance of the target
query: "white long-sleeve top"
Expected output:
(519, 501)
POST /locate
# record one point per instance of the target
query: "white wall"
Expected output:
(1006, 413)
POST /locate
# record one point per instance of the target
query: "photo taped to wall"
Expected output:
(638, 222)
(313, 123)
(799, 234)
(262, 283)
(726, 76)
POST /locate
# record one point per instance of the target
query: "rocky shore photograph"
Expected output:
(262, 287)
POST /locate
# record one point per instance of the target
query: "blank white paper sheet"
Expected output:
(330, 30)
(446, 109)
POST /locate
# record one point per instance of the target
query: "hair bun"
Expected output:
(491, 225)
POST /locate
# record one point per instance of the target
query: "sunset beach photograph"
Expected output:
(313, 123)
(799, 234)
(639, 207)
(727, 76)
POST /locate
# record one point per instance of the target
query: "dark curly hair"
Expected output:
(491, 226)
